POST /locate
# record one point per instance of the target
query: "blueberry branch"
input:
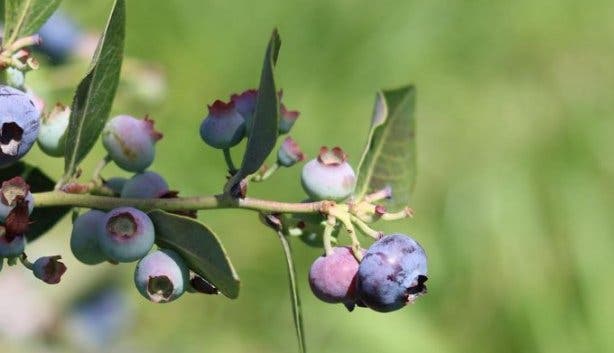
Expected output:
(59, 198)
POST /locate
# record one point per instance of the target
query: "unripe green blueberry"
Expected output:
(287, 118)
(15, 78)
(52, 135)
(19, 124)
(130, 142)
(289, 153)
(224, 127)
(126, 234)
(329, 176)
(10, 190)
(146, 185)
(162, 276)
(84, 238)
(49, 269)
(11, 246)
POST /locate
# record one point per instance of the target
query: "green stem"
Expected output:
(59, 198)
(267, 173)
(98, 170)
(294, 294)
(228, 158)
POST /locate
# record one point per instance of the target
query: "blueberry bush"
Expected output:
(142, 220)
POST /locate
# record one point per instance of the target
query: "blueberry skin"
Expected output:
(328, 182)
(12, 248)
(392, 273)
(162, 276)
(126, 234)
(130, 142)
(145, 186)
(6, 209)
(19, 124)
(60, 37)
(332, 277)
(84, 238)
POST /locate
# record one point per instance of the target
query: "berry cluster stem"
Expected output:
(222, 201)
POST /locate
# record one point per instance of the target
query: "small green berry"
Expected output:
(52, 135)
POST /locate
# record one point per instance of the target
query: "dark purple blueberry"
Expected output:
(392, 273)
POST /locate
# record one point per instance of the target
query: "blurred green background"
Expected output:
(515, 193)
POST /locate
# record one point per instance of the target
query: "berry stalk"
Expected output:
(59, 198)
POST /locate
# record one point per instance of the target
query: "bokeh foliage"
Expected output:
(514, 191)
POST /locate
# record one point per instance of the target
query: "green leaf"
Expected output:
(94, 96)
(25, 17)
(42, 218)
(294, 294)
(199, 247)
(389, 158)
(263, 133)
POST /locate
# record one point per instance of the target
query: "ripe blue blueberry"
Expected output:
(60, 37)
(329, 176)
(10, 191)
(11, 246)
(130, 142)
(145, 185)
(224, 127)
(287, 118)
(126, 234)
(162, 276)
(289, 153)
(332, 277)
(392, 273)
(84, 238)
(52, 135)
(18, 124)
(49, 269)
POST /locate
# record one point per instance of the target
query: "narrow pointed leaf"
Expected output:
(297, 312)
(389, 158)
(25, 17)
(42, 218)
(263, 133)
(199, 247)
(94, 96)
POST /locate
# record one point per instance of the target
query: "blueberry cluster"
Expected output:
(126, 234)
(391, 275)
